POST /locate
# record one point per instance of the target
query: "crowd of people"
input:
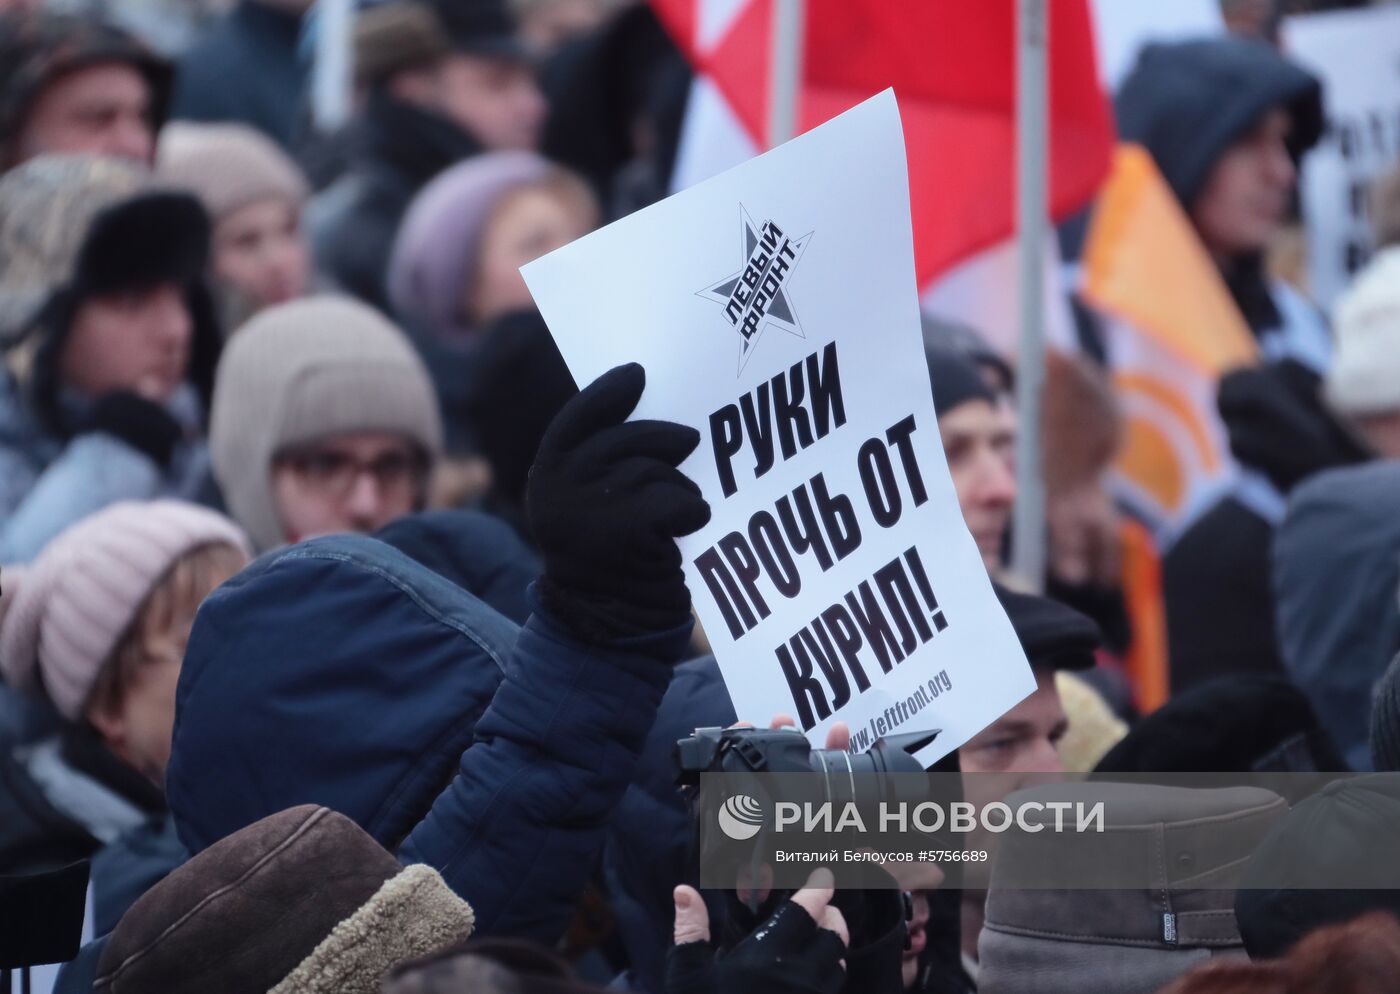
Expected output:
(346, 641)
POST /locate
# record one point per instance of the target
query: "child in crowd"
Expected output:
(96, 628)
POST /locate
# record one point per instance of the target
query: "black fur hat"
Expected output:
(1242, 723)
(1054, 636)
(155, 237)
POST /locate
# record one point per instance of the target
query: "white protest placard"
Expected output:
(774, 309)
(1357, 55)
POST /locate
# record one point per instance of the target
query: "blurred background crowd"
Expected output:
(284, 445)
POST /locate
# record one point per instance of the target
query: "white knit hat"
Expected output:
(303, 371)
(1365, 373)
(62, 617)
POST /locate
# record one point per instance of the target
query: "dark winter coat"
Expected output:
(246, 69)
(1336, 574)
(1187, 103)
(340, 672)
(397, 149)
(478, 552)
(648, 849)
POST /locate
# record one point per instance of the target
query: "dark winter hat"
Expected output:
(37, 49)
(1054, 636)
(301, 902)
(482, 27)
(956, 336)
(1385, 721)
(1243, 723)
(1333, 858)
(1188, 101)
(956, 380)
(1187, 847)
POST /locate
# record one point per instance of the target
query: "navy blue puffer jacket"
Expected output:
(340, 672)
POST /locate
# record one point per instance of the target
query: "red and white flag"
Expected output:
(952, 66)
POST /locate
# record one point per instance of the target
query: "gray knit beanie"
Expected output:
(303, 371)
(227, 166)
(1385, 721)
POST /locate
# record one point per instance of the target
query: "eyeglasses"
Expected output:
(333, 474)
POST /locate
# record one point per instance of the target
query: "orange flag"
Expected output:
(1172, 330)
(1145, 264)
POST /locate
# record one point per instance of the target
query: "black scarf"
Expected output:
(408, 142)
(1248, 284)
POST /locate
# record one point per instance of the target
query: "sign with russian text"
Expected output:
(775, 310)
(1356, 53)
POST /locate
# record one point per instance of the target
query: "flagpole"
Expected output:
(332, 69)
(786, 75)
(1032, 164)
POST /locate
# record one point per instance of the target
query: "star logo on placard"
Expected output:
(758, 295)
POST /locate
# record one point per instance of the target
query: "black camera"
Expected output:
(786, 750)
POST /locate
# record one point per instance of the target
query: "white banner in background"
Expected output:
(1357, 54)
(1123, 27)
(775, 310)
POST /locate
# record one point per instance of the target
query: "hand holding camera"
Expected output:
(800, 949)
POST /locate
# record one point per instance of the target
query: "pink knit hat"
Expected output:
(62, 616)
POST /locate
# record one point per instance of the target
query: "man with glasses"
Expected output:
(324, 421)
(361, 481)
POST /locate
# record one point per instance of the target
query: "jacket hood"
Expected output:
(476, 551)
(337, 672)
(1187, 102)
(1336, 578)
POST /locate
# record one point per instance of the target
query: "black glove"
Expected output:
(877, 926)
(606, 503)
(1279, 426)
(788, 954)
(142, 424)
